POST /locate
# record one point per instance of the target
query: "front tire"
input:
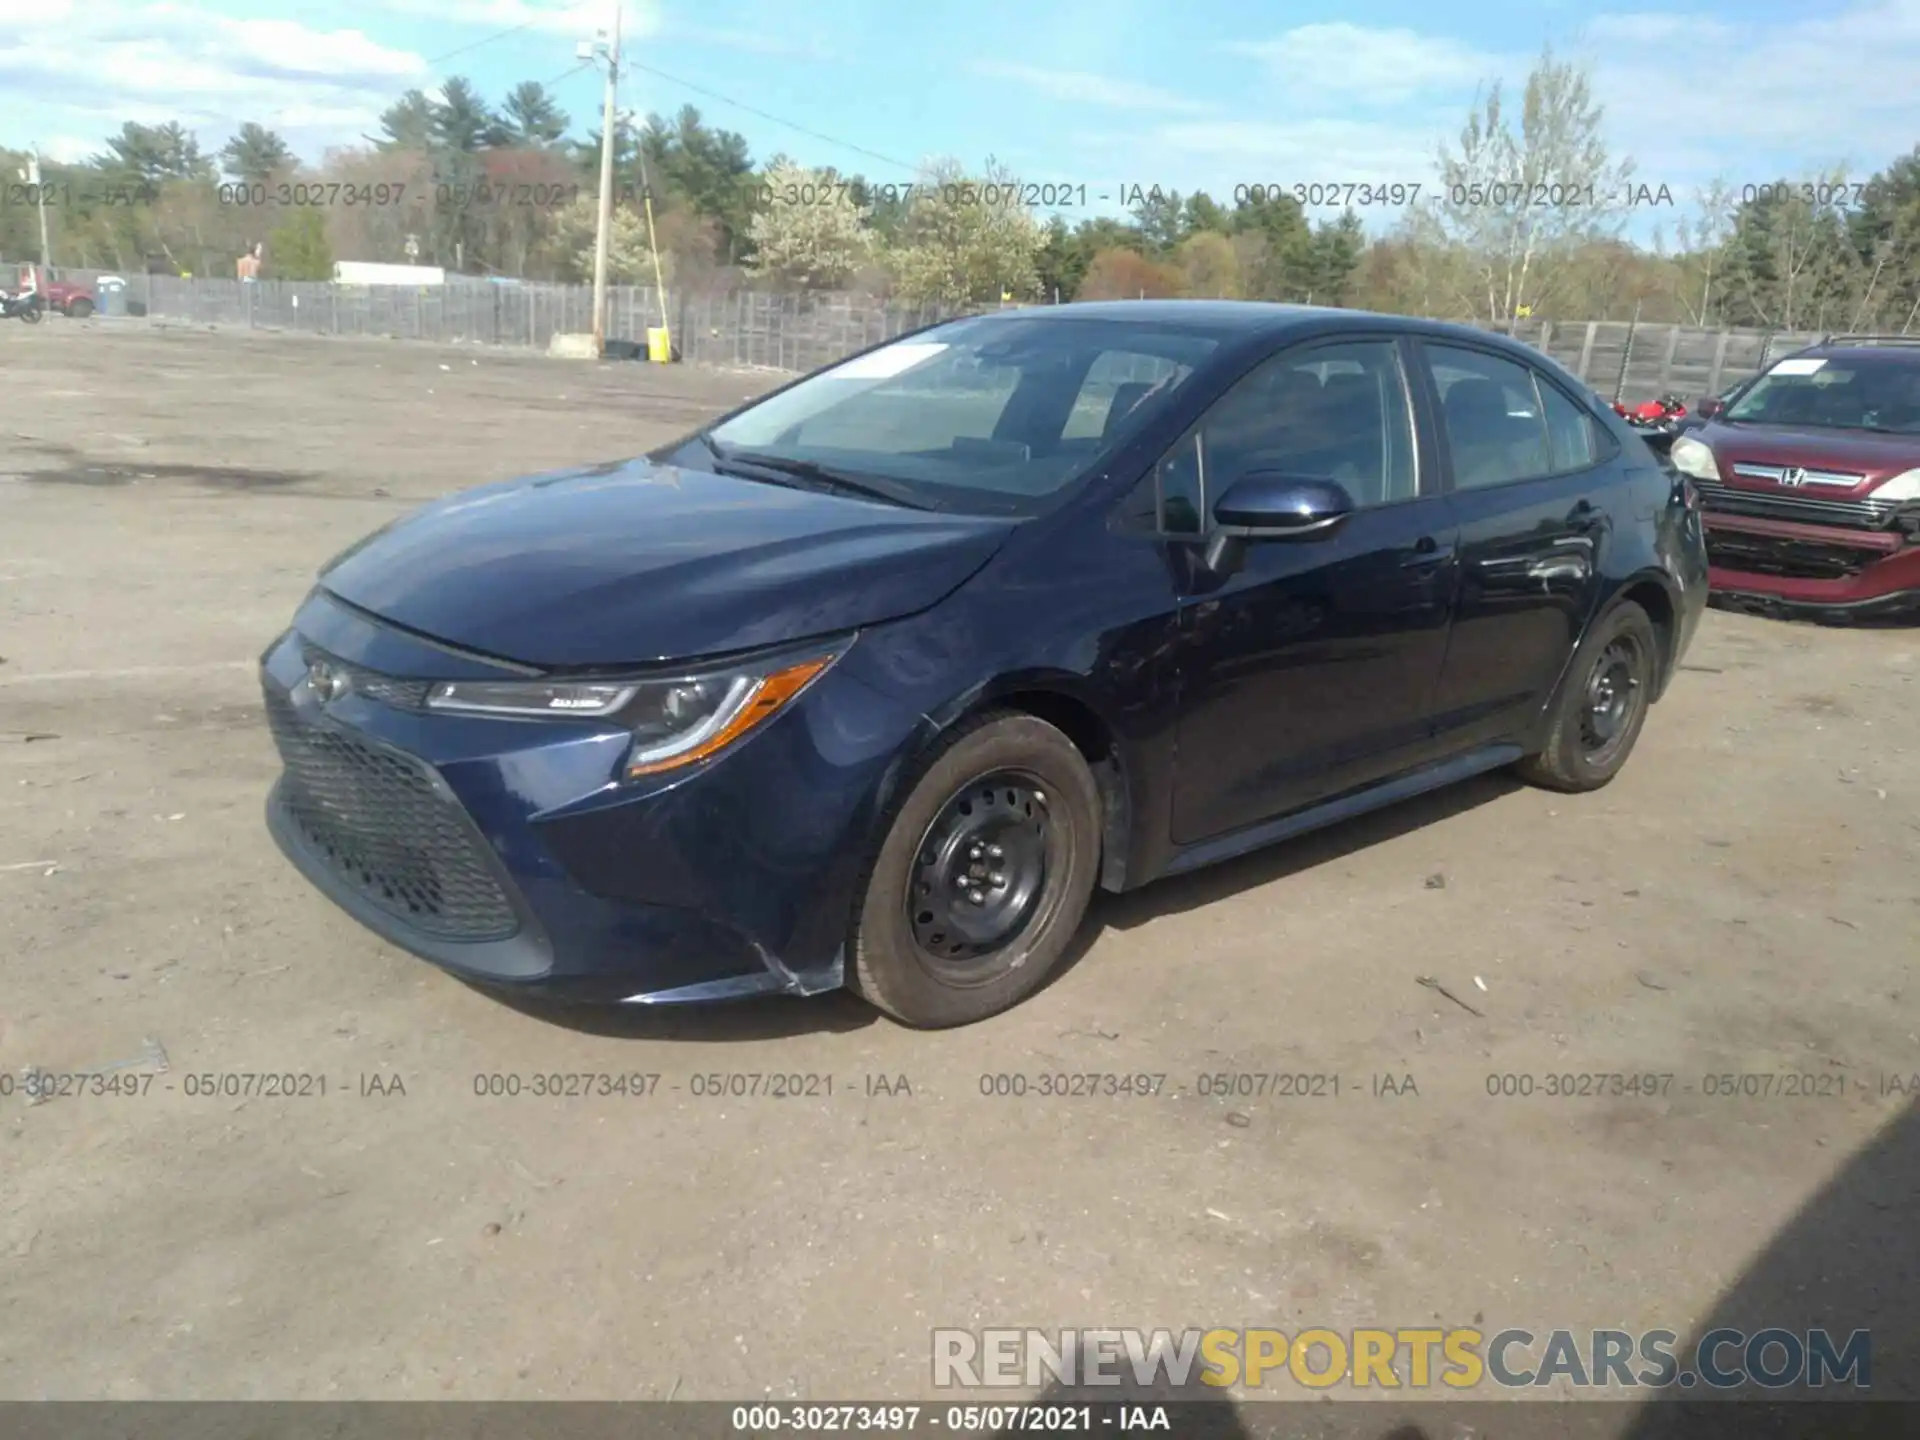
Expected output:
(1601, 706)
(79, 309)
(983, 877)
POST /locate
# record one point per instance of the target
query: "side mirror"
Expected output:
(1272, 505)
(1711, 409)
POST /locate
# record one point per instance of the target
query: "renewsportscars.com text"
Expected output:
(1402, 1358)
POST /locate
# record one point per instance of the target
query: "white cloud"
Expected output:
(1789, 95)
(1355, 64)
(1688, 97)
(552, 17)
(91, 67)
(88, 66)
(68, 149)
(1083, 87)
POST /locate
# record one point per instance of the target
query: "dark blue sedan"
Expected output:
(876, 679)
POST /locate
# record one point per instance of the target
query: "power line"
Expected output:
(524, 25)
(776, 119)
(566, 75)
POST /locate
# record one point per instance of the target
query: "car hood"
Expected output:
(1856, 452)
(633, 563)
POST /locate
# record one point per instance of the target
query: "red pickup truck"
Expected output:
(64, 297)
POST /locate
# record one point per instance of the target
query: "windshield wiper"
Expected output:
(821, 475)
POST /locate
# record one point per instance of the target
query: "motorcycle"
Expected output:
(1658, 415)
(29, 305)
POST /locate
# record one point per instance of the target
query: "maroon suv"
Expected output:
(1809, 479)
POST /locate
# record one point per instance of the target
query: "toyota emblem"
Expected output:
(1793, 475)
(326, 683)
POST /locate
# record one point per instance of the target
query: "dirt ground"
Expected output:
(1741, 901)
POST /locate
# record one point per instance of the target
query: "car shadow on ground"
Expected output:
(1849, 1260)
(777, 1017)
(1180, 893)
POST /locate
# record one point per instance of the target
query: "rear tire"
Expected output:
(983, 877)
(79, 309)
(1601, 706)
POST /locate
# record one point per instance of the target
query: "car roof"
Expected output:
(1893, 351)
(1248, 318)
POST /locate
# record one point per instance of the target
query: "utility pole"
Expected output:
(32, 177)
(611, 54)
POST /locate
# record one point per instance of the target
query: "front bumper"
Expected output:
(509, 853)
(1784, 567)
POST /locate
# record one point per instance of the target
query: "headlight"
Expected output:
(1694, 457)
(674, 722)
(1905, 486)
(516, 697)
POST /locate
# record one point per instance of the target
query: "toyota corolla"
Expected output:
(876, 680)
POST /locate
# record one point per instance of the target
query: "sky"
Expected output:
(1101, 94)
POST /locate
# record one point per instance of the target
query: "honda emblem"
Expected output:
(1793, 476)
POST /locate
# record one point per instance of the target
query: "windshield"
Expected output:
(994, 412)
(1842, 394)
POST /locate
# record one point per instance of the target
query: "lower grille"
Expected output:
(377, 819)
(1789, 559)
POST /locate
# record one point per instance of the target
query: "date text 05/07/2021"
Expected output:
(776, 1418)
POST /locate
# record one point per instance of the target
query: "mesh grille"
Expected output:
(1790, 559)
(376, 819)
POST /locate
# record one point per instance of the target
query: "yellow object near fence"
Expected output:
(659, 345)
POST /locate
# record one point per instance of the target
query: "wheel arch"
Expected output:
(1652, 590)
(1064, 701)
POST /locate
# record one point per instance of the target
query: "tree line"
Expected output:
(1528, 214)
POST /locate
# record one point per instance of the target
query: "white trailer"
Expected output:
(364, 272)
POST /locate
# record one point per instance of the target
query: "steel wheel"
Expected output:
(980, 874)
(1601, 705)
(1615, 691)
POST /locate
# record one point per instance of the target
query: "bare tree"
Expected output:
(1703, 233)
(1517, 201)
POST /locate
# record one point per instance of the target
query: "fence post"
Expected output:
(1626, 356)
(1546, 339)
(1719, 362)
(1586, 351)
(1666, 361)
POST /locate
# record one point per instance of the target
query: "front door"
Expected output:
(1312, 669)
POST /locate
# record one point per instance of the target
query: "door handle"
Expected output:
(1427, 551)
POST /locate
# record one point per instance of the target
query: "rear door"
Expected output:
(1533, 479)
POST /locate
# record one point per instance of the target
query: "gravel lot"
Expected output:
(1742, 900)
